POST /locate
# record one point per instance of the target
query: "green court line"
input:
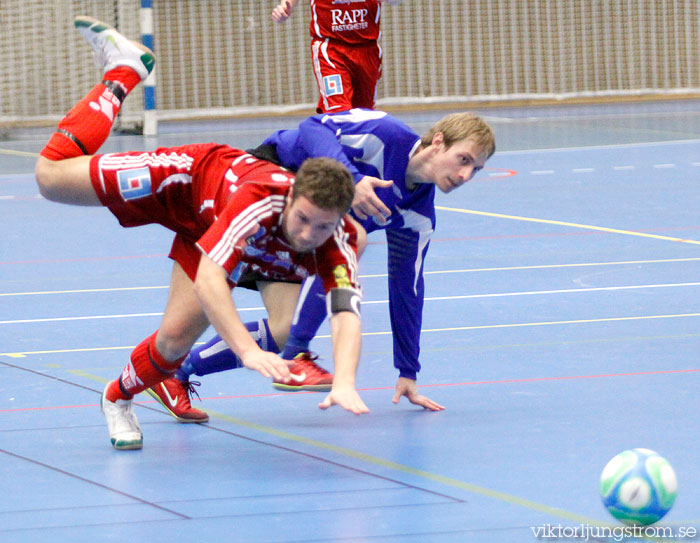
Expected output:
(570, 224)
(395, 466)
(408, 470)
(388, 464)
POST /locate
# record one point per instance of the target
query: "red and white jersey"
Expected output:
(347, 21)
(247, 234)
(227, 203)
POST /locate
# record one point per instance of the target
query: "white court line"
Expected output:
(101, 317)
(23, 354)
(372, 302)
(555, 266)
(561, 291)
(373, 276)
(593, 147)
(83, 291)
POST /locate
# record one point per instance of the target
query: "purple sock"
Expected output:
(308, 317)
(216, 356)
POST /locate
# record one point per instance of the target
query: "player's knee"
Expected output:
(175, 341)
(279, 328)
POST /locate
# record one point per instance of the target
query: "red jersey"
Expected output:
(347, 21)
(225, 202)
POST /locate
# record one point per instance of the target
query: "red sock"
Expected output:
(86, 127)
(146, 369)
(127, 77)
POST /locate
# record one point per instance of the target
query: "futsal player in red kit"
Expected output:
(232, 215)
(345, 50)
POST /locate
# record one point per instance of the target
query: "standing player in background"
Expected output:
(231, 213)
(396, 173)
(345, 51)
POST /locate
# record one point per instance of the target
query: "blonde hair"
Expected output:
(463, 126)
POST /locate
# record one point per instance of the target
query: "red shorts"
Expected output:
(155, 188)
(346, 75)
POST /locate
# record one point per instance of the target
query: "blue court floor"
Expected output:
(561, 327)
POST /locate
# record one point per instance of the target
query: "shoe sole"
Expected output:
(148, 59)
(127, 445)
(297, 388)
(132, 445)
(172, 413)
(89, 22)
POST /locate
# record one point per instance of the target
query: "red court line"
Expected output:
(563, 378)
(466, 383)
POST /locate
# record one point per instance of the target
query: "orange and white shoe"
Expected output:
(306, 375)
(174, 395)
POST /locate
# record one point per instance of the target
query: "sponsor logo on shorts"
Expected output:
(134, 183)
(332, 85)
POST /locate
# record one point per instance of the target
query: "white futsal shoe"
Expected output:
(124, 430)
(112, 49)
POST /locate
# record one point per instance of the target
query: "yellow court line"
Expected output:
(61, 351)
(84, 350)
(18, 153)
(456, 328)
(571, 224)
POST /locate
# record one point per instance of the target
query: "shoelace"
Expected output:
(308, 362)
(189, 387)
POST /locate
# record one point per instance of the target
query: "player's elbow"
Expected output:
(361, 241)
(44, 174)
(361, 236)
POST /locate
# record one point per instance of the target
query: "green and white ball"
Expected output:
(638, 487)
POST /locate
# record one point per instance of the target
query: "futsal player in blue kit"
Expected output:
(396, 173)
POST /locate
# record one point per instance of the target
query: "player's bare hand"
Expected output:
(407, 387)
(367, 203)
(269, 364)
(282, 12)
(345, 397)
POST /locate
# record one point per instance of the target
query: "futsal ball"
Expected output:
(638, 487)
